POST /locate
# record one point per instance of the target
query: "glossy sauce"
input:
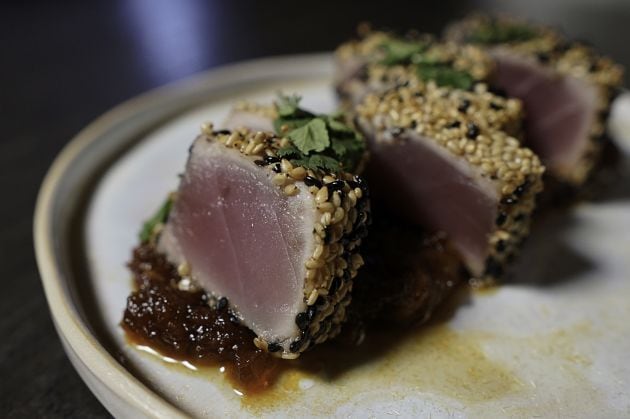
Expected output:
(181, 325)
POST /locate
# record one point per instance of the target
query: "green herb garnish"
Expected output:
(312, 136)
(398, 51)
(159, 217)
(445, 75)
(287, 105)
(318, 142)
(501, 32)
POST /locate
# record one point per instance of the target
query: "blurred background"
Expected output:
(62, 64)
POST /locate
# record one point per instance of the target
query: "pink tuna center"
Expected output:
(244, 239)
(424, 184)
(558, 109)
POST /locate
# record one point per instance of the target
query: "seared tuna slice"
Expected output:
(271, 227)
(452, 171)
(566, 89)
(408, 272)
(389, 62)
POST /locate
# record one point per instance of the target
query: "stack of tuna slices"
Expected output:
(441, 151)
(273, 207)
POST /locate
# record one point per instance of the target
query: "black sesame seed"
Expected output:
(508, 200)
(500, 246)
(543, 57)
(311, 311)
(360, 182)
(501, 218)
(413, 125)
(396, 131)
(327, 236)
(336, 185)
(311, 181)
(334, 285)
(463, 107)
(454, 124)
(222, 303)
(521, 189)
(496, 106)
(302, 321)
(271, 159)
(222, 132)
(296, 345)
(320, 301)
(472, 130)
(274, 347)
(260, 162)
(276, 168)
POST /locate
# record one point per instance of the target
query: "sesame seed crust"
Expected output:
(568, 58)
(379, 78)
(474, 136)
(468, 57)
(343, 212)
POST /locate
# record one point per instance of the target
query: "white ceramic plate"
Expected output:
(554, 344)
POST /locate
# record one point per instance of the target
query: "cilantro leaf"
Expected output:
(290, 123)
(287, 105)
(338, 126)
(159, 217)
(289, 151)
(399, 51)
(317, 142)
(311, 137)
(339, 147)
(445, 75)
(323, 162)
(501, 32)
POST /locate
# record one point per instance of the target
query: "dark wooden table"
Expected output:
(63, 64)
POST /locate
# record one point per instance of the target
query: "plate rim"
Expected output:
(71, 329)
